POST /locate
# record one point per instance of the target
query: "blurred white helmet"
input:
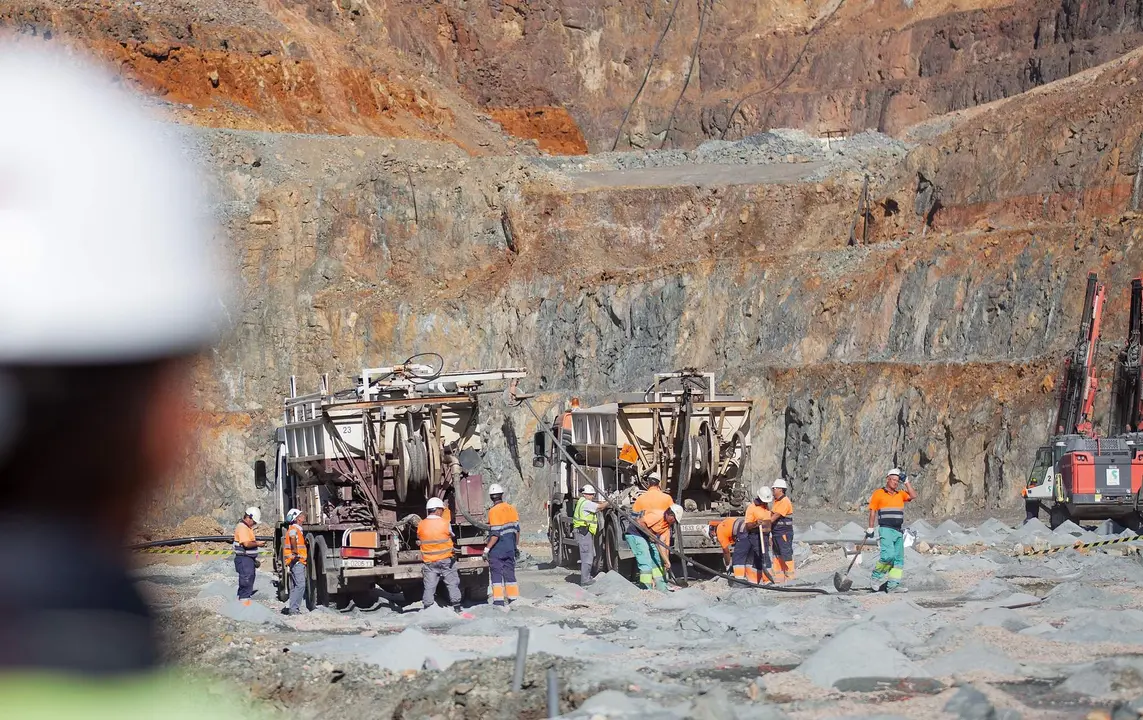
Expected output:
(587, 490)
(894, 471)
(495, 490)
(255, 514)
(766, 495)
(105, 252)
(780, 483)
(293, 515)
(434, 503)
(653, 478)
(677, 511)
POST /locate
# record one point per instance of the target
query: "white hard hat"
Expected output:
(254, 513)
(104, 252)
(587, 490)
(780, 483)
(654, 477)
(894, 471)
(434, 503)
(495, 489)
(766, 495)
(677, 511)
(293, 514)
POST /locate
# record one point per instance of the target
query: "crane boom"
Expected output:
(1077, 395)
(1127, 393)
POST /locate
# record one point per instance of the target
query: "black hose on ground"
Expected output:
(188, 540)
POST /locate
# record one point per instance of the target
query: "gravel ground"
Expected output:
(703, 651)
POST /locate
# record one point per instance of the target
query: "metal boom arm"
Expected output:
(1077, 396)
(1127, 393)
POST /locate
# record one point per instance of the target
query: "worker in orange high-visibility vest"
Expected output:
(654, 498)
(246, 553)
(724, 533)
(750, 557)
(435, 537)
(296, 557)
(504, 534)
(782, 532)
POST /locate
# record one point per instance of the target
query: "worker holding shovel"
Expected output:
(887, 520)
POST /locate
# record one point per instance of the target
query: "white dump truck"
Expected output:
(696, 439)
(362, 462)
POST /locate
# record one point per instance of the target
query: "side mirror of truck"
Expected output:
(539, 449)
(261, 480)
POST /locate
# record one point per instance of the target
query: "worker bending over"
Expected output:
(585, 525)
(887, 518)
(782, 532)
(296, 557)
(751, 562)
(724, 533)
(504, 533)
(246, 553)
(435, 537)
(657, 525)
(654, 498)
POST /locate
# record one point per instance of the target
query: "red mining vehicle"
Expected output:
(1079, 475)
(361, 463)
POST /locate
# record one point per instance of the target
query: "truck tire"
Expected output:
(474, 588)
(317, 593)
(281, 570)
(1058, 515)
(556, 540)
(609, 553)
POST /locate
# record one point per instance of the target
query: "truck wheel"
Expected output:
(556, 540)
(1058, 515)
(281, 571)
(317, 594)
(610, 550)
(475, 590)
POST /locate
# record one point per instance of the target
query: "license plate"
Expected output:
(356, 563)
(694, 528)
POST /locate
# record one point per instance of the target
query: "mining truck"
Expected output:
(696, 439)
(362, 462)
(1079, 475)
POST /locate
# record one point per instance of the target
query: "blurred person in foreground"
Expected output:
(108, 289)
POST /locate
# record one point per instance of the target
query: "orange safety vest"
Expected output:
(727, 530)
(435, 538)
(447, 515)
(295, 546)
(244, 534)
(653, 499)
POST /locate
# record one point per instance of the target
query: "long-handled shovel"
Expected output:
(842, 583)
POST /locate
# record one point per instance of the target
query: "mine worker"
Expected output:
(246, 553)
(1031, 505)
(887, 519)
(435, 537)
(782, 532)
(724, 533)
(108, 292)
(585, 525)
(656, 526)
(296, 557)
(654, 498)
(504, 534)
(750, 553)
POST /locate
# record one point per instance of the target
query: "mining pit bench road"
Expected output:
(694, 175)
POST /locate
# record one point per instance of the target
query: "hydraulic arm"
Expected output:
(1127, 392)
(1077, 394)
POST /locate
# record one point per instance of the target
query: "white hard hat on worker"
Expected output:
(495, 489)
(104, 254)
(434, 503)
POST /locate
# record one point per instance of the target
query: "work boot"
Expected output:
(662, 586)
(285, 611)
(877, 585)
(587, 583)
(897, 589)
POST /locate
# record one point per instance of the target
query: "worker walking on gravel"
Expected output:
(246, 553)
(435, 538)
(109, 290)
(887, 520)
(654, 498)
(750, 556)
(782, 532)
(585, 525)
(296, 557)
(653, 563)
(504, 533)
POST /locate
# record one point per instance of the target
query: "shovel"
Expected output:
(842, 583)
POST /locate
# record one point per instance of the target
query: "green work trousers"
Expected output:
(891, 564)
(647, 558)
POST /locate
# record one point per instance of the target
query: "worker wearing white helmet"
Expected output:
(108, 291)
(782, 532)
(296, 557)
(751, 561)
(246, 553)
(500, 551)
(654, 498)
(435, 538)
(887, 518)
(653, 527)
(585, 525)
